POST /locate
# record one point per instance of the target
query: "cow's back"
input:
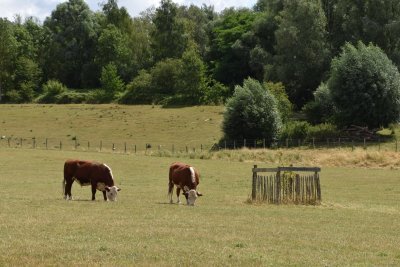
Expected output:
(88, 171)
(180, 174)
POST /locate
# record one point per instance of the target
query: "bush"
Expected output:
(251, 113)
(322, 108)
(51, 89)
(285, 107)
(365, 87)
(111, 83)
(295, 130)
(139, 91)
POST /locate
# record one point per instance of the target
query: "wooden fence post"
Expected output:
(313, 143)
(60, 145)
(9, 138)
(135, 149)
(21, 143)
(173, 149)
(46, 143)
(253, 187)
(264, 143)
(88, 145)
(234, 144)
(365, 146)
(34, 143)
(125, 147)
(76, 144)
(278, 187)
(101, 144)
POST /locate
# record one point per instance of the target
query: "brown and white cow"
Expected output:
(96, 174)
(185, 177)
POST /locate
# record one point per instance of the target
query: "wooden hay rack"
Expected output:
(284, 185)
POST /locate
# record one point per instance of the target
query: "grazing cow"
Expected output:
(98, 175)
(186, 178)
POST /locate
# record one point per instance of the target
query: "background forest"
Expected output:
(308, 54)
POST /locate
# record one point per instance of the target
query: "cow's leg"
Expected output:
(68, 186)
(104, 195)
(94, 185)
(170, 191)
(178, 191)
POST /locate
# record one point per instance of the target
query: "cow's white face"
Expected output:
(191, 198)
(111, 192)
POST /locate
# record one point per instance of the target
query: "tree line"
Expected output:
(188, 55)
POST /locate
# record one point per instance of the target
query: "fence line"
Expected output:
(132, 147)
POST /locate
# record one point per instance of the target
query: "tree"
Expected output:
(365, 87)
(251, 113)
(191, 77)
(8, 55)
(232, 41)
(72, 32)
(283, 104)
(114, 47)
(168, 37)
(301, 49)
(111, 83)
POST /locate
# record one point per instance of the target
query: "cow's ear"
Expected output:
(118, 189)
(199, 194)
(107, 189)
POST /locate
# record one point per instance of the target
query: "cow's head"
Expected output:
(111, 192)
(191, 196)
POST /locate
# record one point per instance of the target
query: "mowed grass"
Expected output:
(356, 225)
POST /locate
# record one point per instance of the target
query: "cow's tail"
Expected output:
(63, 187)
(170, 184)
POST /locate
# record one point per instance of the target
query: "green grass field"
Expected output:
(356, 225)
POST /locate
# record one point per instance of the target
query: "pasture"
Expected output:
(357, 223)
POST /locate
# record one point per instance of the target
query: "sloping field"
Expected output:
(357, 223)
(138, 125)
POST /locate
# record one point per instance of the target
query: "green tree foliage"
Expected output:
(365, 87)
(284, 105)
(72, 32)
(231, 43)
(139, 91)
(191, 77)
(301, 48)
(251, 113)
(8, 55)
(26, 79)
(111, 83)
(321, 109)
(114, 47)
(52, 89)
(168, 38)
(376, 21)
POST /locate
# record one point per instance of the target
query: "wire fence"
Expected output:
(133, 147)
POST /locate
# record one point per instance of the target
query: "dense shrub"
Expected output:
(251, 113)
(322, 108)
(304, 131)
(285, 107)
(139, 91)
(51, 89)
(365, 87)
(295, 130)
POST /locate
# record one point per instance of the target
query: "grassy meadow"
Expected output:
(356, 224)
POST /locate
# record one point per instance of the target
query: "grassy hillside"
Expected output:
(357, 223)
(113, 123)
